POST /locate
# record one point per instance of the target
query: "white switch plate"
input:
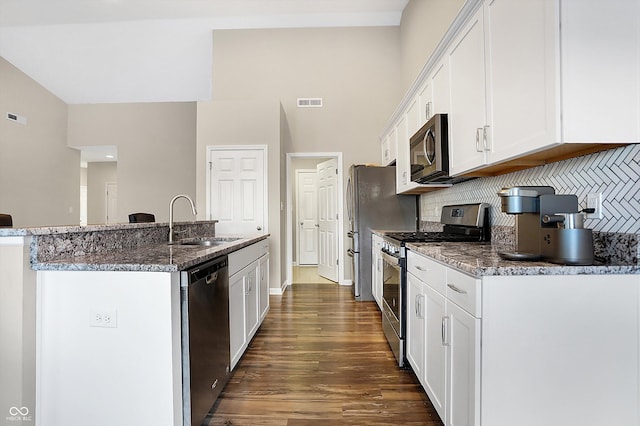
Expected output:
(103, 318)
(594, 201)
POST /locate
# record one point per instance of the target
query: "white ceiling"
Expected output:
(112, 51)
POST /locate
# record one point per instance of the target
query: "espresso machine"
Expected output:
(548, 226)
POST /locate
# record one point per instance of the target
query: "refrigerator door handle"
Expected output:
(349, 199)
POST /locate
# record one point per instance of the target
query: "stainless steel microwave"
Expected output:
(429, 152)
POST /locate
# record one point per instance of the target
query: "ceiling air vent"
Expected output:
(17, 118)
(309, 102)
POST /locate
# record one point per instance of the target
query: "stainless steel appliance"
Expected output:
(464, 223)
(204, 292)
(548, 226)
(372, 203)
(429, 152)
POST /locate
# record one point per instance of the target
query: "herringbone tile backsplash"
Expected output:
(614, 173)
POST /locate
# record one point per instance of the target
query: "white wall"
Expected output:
(39, 174)
(156, 152)
(246, 123)
(355, 70)
(423, 24)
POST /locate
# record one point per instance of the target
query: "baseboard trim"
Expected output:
(279, 291)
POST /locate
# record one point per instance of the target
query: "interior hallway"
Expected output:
(308, 275)
(320, 358)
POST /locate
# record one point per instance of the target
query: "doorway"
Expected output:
(297, 166)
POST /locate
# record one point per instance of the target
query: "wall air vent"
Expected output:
(17, 118)
(309, 102)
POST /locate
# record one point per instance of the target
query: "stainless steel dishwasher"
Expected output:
(204, 295)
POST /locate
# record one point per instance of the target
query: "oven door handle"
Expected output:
(393, 261)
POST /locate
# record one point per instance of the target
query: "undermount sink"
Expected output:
(212, 241)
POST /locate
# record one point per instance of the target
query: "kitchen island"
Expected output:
(126, 366)
(497, 342)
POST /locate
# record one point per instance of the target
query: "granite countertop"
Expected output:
(125, 246)
(158, 257)
(482, 259)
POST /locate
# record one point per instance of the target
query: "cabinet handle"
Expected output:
(456, 289)
(428, 110)
(478, 148)
(420, 307)
(485, 138)
(443, 331)
(420, 268)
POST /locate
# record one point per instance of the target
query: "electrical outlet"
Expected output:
(594, 201)
(103, 318)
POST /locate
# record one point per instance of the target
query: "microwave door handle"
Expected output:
(429, 138)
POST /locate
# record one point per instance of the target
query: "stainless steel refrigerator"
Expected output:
(372, 203)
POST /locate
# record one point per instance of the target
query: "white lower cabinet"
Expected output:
(415, 326)
(248, 296)
(237, 334)
(462, 338)
(525, 350)
(263, 298)
(443, 342)
(435, 353)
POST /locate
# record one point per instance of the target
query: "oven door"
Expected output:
(392, 305)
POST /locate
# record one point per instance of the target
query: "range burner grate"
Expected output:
(428, 237)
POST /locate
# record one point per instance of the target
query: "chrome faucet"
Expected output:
(173, 200)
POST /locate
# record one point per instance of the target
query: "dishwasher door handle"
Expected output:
(211, 278)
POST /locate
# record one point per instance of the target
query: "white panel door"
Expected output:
(307, 214)
(237, 194)
(328, 219)
(111, 191)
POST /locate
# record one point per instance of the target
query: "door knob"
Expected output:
(259, 228)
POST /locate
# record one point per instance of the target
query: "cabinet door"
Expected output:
(520, 65)
(415, 326)
(435, 364)
(467, 118)
(463, 371)
(403, 171)
(386, 150)
(263, 296)
(441, 87)
(237, 334)
(601, 104)
(413, 118)
(425, 102)
(251, 300)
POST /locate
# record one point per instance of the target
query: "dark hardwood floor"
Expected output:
(320, 358)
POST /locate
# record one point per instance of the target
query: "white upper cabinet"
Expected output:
(533, 81)
(403, 166)
(547, 78)
(600, 53)
(440, 84)
(520, 77)
(467, 116)
(502, 83)
(425, 101)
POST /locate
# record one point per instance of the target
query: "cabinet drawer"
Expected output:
(465, 291)
(432, 273)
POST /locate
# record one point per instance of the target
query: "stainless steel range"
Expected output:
(464, 223)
